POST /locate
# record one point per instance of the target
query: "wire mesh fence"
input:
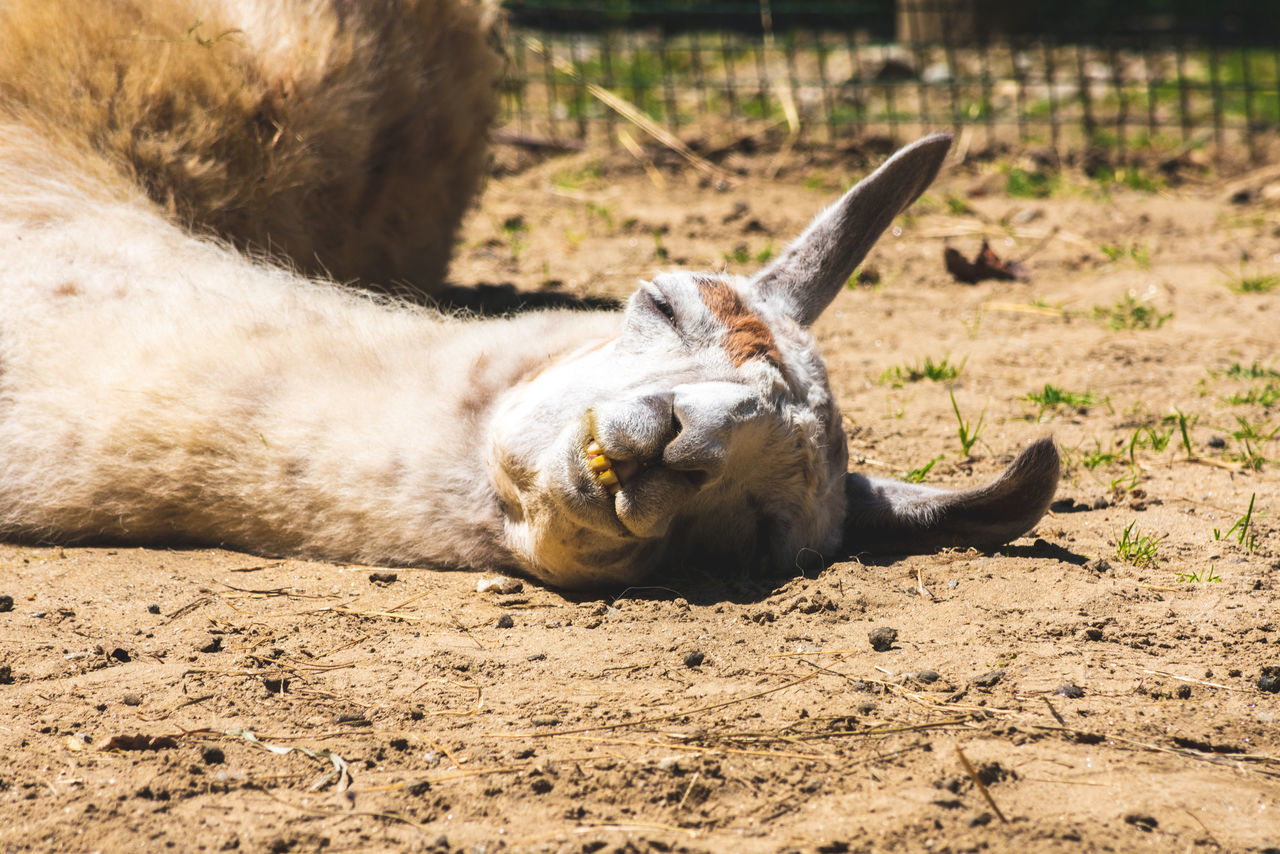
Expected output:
(1165, 75)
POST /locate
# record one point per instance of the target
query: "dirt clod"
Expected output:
(211, 754)
(6, 603)
(505, 621)
(694, 658)
(1269, 680)
(383, 578)
(882, 638)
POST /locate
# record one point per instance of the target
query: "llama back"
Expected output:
(345, 137)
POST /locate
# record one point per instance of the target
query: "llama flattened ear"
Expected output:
(808, 275)
(894, 517)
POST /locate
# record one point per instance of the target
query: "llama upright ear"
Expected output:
(808, 275)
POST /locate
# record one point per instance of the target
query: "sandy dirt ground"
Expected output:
(1110, 691)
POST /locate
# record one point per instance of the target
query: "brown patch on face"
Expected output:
(746, 335)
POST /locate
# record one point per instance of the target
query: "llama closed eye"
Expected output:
(662, 306)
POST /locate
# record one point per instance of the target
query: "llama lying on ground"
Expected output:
(347, 137)
(156, 387)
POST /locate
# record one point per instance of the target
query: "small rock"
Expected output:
(499, 584)
(989, 679)
(214, 644)
(383, 577)
(121, 655)
(545, 720)
(1183, 692)
(882, 638)
(131, 699)
(541, 785)
(981, 819)
(212, 755)
(1101, 503)
(1269, 680)
(694, 658)
(1217, 442)
(1098, 565)
(505, 621)
(1070, 690)
(928, 677)
(6, 603)
(153, 609)
(1092, 633)
(6, 674)
(537, 656)
(1141, 821)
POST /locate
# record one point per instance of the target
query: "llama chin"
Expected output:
(161, 386)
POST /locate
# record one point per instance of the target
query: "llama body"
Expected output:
(159, 387)
(345, 137)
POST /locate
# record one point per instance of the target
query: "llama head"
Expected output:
(706, 428)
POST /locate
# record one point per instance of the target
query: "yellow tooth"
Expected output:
(607, 478)
(593, 447)
(598, 464)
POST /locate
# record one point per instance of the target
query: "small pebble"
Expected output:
(882, 638)
(1269, 681)
(383, 577)
(928, 677)
(1217, 442)
(988, 679)
(1098, 565)
(214, 644)
(131, 700)
(694, 658)
(153, 609)
(6, 603)
(545, 720)
(499, 584)
(212, 755)
(505, 621)
(1070, 690)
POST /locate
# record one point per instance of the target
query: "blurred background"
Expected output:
(1096, 84)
